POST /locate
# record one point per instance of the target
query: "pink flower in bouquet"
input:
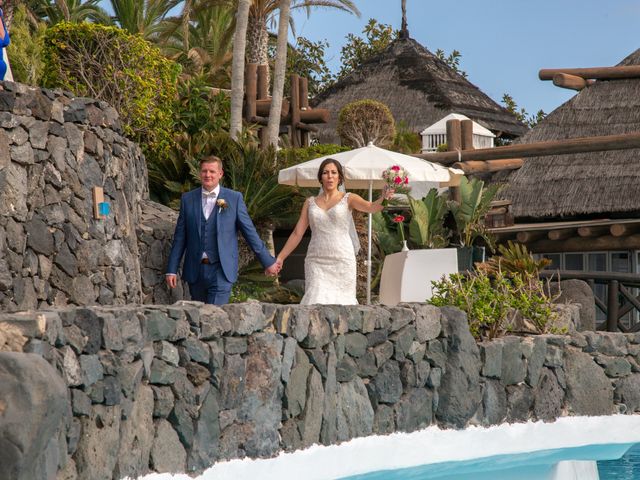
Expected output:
(397, 179)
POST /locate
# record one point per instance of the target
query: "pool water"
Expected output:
(625, 468)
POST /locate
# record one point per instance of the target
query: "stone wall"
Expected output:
(54, 148)
(176, 388)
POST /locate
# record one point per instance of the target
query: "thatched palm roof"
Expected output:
(418, 87)
(598, 184)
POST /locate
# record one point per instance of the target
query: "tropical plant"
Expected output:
(405, 140)
(530, 120)
(493, 302)
(200, 114)
(73, 11)
(25, 49)
(470, 211)
(514, 259)
(262, 14)
(452, 60)
(387, 233)
(365, 121)
(293, 156)
(142, 17)
(204, 48)
(357, 50)
(307, 59)
(426, 228)
(273, 125)
(127, 72)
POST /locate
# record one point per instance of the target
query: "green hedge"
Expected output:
(124, 70)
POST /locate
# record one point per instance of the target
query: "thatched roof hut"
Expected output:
(419, 88)
(585, 185)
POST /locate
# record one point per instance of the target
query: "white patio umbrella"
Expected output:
(363, 169)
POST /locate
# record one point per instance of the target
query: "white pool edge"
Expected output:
(428, 446)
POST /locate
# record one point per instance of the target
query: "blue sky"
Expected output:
(503, 42)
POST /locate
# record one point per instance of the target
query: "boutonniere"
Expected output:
(222, 204)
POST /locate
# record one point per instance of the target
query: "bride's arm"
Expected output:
(296, 235)
(356, 202)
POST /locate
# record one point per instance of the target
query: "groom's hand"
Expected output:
(172, 280)
(273, 270)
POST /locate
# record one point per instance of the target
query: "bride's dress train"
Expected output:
(330, 264)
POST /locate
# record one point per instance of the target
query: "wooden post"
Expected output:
(622, 229)
(466, 127)
(263, 94)
(304, 105)
(454, 144)
(560, 234)
(454, 140)
(489, 165)
(295, 110)
(263, 82)
(250, 91)
(612, 306)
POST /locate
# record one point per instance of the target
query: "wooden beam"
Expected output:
(263, 107)
(305, 127)
(571, 82)
(539, 149)
(530, 236)
(466, 130)
(561, 233)
(594, 231)
(454, 136)
(629, 71)
(581, 244)
(477, 166)
(623, 229)
(313, 115)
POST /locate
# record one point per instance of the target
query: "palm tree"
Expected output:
(142, 17)
(74, 11)
(262, 13)
(207, 49)
(273, 126)
(237, 67)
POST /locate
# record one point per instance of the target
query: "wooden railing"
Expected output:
(620, 298)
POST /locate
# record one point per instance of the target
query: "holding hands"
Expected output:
(388, 192)
(274, 269)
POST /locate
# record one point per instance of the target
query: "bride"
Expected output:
(330, 264)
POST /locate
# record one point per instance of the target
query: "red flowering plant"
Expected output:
(399, 220)
(397, 178)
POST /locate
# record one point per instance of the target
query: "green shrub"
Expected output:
(124, 70)
(293, 156)
(25, 49)
(405, 140)
(493, 303)
(365, 121)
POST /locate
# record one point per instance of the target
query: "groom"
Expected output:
(206, 234)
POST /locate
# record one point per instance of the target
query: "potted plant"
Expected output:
(407, 275)
(469, 215)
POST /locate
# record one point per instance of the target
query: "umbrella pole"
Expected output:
(369, 246)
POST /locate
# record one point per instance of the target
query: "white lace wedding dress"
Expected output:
(330, 265)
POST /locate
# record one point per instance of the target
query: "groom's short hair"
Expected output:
(211, 159)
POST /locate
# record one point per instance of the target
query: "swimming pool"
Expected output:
(566, 449)
(625, 468)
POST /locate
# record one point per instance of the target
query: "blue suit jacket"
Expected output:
(187, 241)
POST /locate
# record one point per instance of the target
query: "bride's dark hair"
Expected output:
(338, 167)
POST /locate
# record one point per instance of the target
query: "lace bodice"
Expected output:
(330, 265)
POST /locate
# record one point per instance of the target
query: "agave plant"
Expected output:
(469, 213)
(515, 260)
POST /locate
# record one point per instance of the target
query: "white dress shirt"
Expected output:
(209, 200)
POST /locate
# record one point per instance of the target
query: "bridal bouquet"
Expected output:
(397, 178)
